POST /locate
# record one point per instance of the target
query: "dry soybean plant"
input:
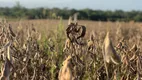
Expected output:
(26, 54)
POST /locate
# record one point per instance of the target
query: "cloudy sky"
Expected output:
(126, 5)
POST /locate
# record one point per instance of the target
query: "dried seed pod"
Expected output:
(9, 54)
(28, 33)
(109, 55)
(133, 57)
(92, 36)
(90, 45)
(11, 32)
(7, 45)
(6, 70)
(24, 59)
(134, 48)
(36, 56)
(119, 31)
(39, 37)
(2, 31)
(109, 52)
(70, 20)
(65, 72)
(75, 18)
(69, 30)
(24, 46)
(90, 42)
(67, 44)
(83, 31)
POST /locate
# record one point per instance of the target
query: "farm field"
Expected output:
(44, 25)
(54, 49)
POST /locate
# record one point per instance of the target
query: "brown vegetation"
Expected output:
(36, 49)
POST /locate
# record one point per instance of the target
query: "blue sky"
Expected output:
(126, 5)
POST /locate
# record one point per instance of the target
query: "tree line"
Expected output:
(19, 11)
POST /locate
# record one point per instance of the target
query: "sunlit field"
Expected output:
(70, 50)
